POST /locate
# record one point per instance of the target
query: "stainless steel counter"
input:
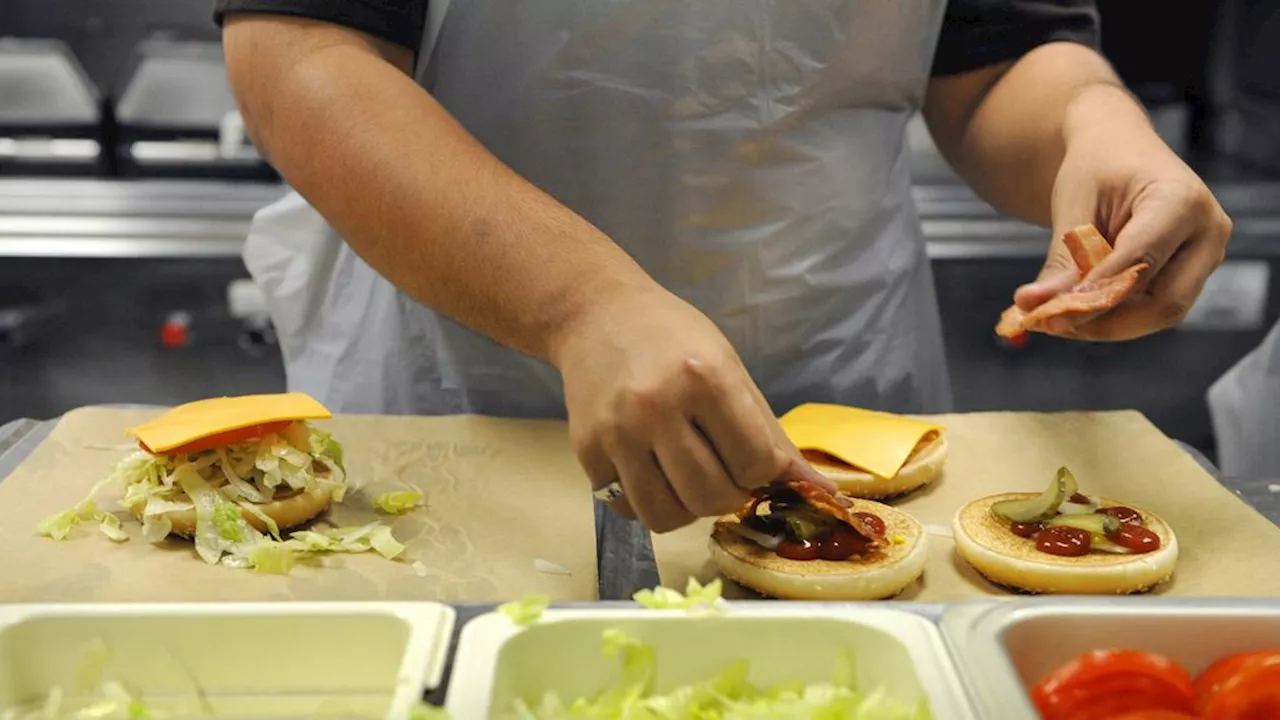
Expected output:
(201, 218)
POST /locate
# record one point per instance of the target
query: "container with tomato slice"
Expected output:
(1120, 659)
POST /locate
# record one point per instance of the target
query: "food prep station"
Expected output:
(968, 660)
(120, 281)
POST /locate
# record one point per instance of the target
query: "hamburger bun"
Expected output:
(985, 542)
(288, 512)
(922, 466)
(881, 574)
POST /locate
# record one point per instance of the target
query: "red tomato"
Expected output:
(230, 437)
(1241, 687)
(1155, 715)
(1103, 684)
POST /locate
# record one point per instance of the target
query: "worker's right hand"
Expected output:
(659, 402)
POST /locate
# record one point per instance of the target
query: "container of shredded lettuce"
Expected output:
(752, 660)
(192, 661)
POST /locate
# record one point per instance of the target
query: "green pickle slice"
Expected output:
(1042, 507)
(1095, 523)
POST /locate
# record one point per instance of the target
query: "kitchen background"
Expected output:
(126, 189)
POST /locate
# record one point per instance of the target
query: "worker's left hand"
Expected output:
(1154, 209)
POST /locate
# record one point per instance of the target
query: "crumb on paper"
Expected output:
(550, 568)
(420, 569)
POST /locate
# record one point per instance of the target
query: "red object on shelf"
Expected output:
(176, 330)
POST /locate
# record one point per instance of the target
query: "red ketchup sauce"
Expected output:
(1064, 541)
(1073, 542)
(841, 544)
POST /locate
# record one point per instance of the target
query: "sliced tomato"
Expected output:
(1155, 715)
(223, 439)
(1252, 692)
(1217, 674)
(1106, 683)
(1110, 697)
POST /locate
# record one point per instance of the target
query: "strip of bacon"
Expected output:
(817, 497)
(1088, 249)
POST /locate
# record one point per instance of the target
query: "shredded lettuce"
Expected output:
(397, 502)
(220, 486)
(696, 597)
(527, 610)
(107, 699)
(423, 711)
(728, 695)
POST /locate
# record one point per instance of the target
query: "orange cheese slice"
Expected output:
(877, 442)
(202, 418)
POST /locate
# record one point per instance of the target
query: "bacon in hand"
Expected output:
(1088, 249)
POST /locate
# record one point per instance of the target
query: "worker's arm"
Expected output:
(1050, 135)
(657, 399)
(338, 113)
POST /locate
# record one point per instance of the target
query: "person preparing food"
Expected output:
(666, 219)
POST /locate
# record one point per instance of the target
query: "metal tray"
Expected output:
(1006, 647)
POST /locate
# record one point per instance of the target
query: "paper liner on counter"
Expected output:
(500, 496)
(1225, 546)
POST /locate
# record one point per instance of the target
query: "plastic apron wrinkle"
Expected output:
(1244, 405)
(751, 156)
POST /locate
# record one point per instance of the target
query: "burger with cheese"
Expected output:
(227, 473)
(797, 541)
(1061, 541)
(868, 454)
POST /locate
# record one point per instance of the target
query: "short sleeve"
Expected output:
(977, 33)
(397, 21)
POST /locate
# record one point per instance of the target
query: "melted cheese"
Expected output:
(877, 442)
(202, 418)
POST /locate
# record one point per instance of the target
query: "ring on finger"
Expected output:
(609, 493)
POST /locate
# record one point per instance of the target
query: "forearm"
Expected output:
(413, 193)
(1006, 133)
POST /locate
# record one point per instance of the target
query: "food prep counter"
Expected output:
(968, 660)
(624, 551)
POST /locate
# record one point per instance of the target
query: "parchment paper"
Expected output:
(1225, 547)
(499, 495)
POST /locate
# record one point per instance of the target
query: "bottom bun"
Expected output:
(878, 576)
(920, 469)
(288, 512)
(986, 543)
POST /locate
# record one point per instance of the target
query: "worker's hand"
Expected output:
(1154, 210)
(659, 401)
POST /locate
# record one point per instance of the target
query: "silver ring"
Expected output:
(609, 493)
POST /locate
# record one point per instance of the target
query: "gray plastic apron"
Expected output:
(749, 154)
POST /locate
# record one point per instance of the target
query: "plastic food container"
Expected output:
(260, 660)
(498, 662)
(1005, 648)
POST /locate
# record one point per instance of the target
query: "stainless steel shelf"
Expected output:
(198, 218)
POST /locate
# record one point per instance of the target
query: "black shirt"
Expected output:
(975, 33)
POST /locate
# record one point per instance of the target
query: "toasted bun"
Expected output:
(288, 512)
(920, 469)
(986, 543)
(881, 575)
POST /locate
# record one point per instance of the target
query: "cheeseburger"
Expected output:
(868, 454)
